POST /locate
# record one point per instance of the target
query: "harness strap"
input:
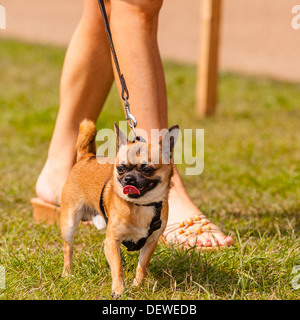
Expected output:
(154, 225)
(101, 205)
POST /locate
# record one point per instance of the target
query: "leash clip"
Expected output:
(132, 122)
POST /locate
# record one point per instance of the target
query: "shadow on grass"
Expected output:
(192, 271)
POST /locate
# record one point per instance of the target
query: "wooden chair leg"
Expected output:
(207, 69)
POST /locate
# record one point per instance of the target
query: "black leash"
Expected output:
(132, 122)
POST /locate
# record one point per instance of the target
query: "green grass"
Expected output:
(249, 187)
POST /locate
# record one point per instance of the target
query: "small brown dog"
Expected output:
(128, 198)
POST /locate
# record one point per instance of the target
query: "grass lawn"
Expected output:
(249, 187)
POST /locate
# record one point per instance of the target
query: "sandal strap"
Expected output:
(199, 219)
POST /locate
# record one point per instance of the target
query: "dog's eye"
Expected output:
(147, 170)
(120, 169)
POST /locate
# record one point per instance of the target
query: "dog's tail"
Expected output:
(86, 139)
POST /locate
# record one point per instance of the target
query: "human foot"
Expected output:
(196, 232)
(48, 188)
(187, 225)
(51, 181)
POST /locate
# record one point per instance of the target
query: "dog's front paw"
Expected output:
(137, 282)
(67, 272)
(117, 293)
(139, 277)
(117, 289)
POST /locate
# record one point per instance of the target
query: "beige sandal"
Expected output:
(194, 227)
(44, 212)
(48, 213)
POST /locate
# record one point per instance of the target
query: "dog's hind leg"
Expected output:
(69, 221)
(68, 259)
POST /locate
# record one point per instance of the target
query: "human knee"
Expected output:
(91, 12)
(91, 20)
(148, 8)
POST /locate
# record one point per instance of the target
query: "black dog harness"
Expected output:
(154, 225)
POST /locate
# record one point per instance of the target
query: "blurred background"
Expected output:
(256, 35)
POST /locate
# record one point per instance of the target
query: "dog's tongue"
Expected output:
(130, 190)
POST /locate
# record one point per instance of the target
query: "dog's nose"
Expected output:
(130, 179)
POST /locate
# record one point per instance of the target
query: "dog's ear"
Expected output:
(169, 141)
(121, 138)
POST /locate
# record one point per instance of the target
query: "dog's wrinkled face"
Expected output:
(142, 174)
(135, 171)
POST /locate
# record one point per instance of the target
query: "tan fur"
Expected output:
(86, 139)
(126, 220)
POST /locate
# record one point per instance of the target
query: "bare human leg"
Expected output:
(86, 79)
(141, 65)
(85, 83)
